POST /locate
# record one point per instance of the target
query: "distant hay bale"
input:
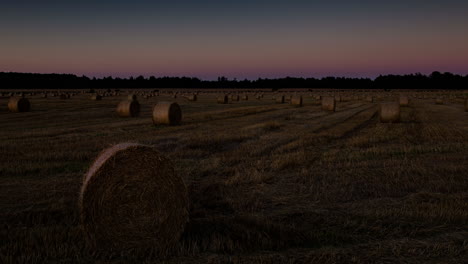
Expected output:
(235, 97)
(439, 101)
(222, 99)
(328, 103)
(245, 97)
(64, 96)
(132, 198)
(390, 113)
(19, 104)
(192, 97)
(132, 97)
(44, 95)
(96, 97)
(128, 108)
(404, 100)
(296, 100)
(167, 113)
(370, 99)
(280, 99)
(337, 98)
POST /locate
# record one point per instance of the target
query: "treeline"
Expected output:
(436, 80)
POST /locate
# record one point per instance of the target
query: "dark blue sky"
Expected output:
(238, 39)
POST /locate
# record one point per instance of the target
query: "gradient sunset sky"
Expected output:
(242, 39)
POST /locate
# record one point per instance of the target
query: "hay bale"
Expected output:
(280, 99)
(245, 97)
(96, 97)
(167, 113)
(390, 112)
(128, 108)
(132, 97)
(439, 101)
(222, 99)
(370, 99)
(64, 96)
(337, 98)
(404, 100)
(192, 97)
(235, 97)
(328, 103)
(296, 100)
(19, 104)
(131, 198)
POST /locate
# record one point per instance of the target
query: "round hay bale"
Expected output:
(439, 101)
(192, 97)
(96, 97)
(404, 100)
(167, 113)
(19, 104)
(222, 99)
(390, 112)
(296, 100)
(370, 99)
(128, 108)
(245, 97)
(328, 103)
(132, 97)
(131, 198)
(280, 99)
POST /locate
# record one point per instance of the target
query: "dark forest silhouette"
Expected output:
(436, 80)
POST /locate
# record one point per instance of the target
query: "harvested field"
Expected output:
(267, 182)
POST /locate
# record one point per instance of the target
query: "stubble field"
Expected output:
(268, 182)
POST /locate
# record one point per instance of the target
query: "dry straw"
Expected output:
(96, 97)
(167, 113)
(192, 97)
(296, 100)
(131, 198)
(328, 103)
(128, 108)
(19, 104)
(404, 100)
(390, 113)
(280, 99)
(222, 99)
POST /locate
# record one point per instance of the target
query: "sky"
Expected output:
(237, 39)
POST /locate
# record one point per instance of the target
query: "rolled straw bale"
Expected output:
(235, 97)
(245, 97)
(389, 112)
(128, 108)
(192, 97)
(19, 104)
(280, 99)
(96, 97)
(328, 103)
(404, 100)
(439, 101)
(132, 198)
(296, 100)
(167, 113)
(222, 99)
(370, 99)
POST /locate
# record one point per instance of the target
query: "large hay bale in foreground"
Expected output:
(19, 104)
(128, 108)
(328, 103)
(131, 198)
(296, 100)
(280, 99)
(390, 113)
(404, 100)
(222, 99)
(167, 113)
